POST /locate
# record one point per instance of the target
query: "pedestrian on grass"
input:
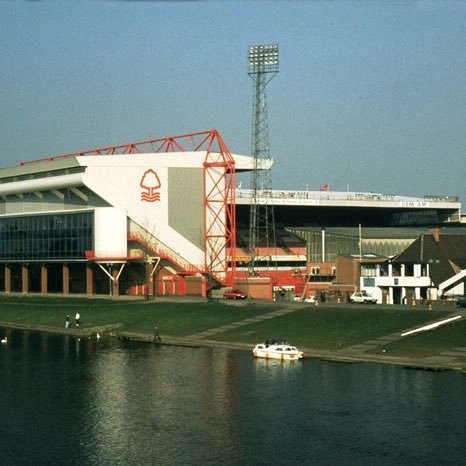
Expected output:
(77, 319)
(67, 321)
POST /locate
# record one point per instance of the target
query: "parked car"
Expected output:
(234, 294)
(310, 299)
(362, 297)
(461, 302)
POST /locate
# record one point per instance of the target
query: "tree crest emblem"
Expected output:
(150, 182)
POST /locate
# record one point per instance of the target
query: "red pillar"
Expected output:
(115, 287)
(89, 280)
(66, 279)
(181, 285)
(7, 278)
(204, 287)
(25, 278)
(43, 279)
(150, 279)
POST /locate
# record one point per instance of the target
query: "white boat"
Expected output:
(277, 348)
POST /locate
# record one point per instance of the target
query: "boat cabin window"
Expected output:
(279, 349)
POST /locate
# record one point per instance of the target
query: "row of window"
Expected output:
(47, 222)
(54, 236)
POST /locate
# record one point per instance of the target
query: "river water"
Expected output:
(111, 402)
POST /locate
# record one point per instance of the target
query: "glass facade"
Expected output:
(46, 237)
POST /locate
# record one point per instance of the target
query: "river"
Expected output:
(113, 402)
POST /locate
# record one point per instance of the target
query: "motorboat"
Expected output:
(277, 348)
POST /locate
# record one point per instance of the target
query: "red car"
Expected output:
(234, 294)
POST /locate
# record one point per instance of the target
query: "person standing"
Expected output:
(67, 321)
(77, 319)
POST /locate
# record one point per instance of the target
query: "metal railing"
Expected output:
(338, 195)
(146, 239)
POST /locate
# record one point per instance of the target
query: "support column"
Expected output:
(149, 279)
(181, 285)
(24, 278)
(89, 280)
(43, 279)
(115, 285)
(66, 279)
(7, 278)
(390, 295)
(403, 295)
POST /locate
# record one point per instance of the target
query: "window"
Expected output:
(43, 237)
(368, 270)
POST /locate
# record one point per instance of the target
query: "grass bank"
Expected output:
(180, 318)
(325, 328)
(330, 327)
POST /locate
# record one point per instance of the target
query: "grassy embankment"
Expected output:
(324, 327)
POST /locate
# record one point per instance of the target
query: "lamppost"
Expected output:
(263, 65)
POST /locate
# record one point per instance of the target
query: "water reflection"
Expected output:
(165, 393)
(113, 402)
(275, 366)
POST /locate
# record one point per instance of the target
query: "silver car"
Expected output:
(362, 297)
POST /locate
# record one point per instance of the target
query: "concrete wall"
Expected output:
(186, 203)
(48, 202)
(110, 235)
(141, 185)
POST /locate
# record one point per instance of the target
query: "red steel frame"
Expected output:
(219, 210)
(219, 192)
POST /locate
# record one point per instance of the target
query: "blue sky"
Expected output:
(371, 95)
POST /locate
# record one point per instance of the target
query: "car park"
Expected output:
(234, 294)
(362, 297)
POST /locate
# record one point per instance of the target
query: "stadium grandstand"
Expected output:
(165, 217)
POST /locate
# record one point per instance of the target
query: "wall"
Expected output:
(346, 271)
(49, 202)
(186, 203)
(110, 236)
(140, 184)
(255, 288)
(194, 285)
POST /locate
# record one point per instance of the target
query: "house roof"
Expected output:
(446, 254)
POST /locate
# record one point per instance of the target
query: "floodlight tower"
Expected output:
(262, 67)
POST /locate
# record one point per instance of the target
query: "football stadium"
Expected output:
(167, 217)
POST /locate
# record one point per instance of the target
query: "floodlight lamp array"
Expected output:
(263, 58)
